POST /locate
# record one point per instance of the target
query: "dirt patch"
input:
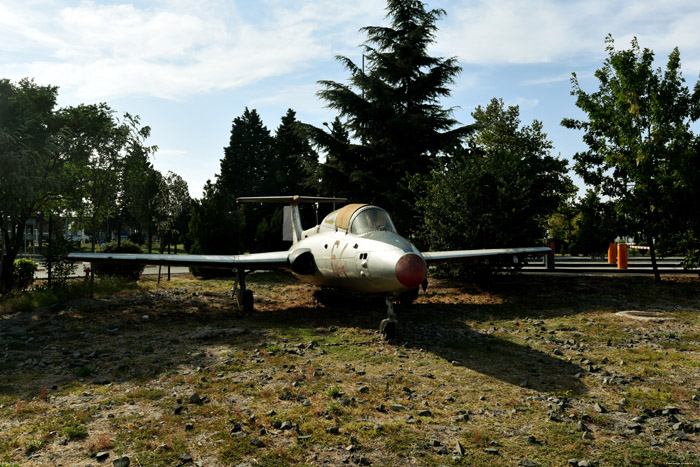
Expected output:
(533, 370)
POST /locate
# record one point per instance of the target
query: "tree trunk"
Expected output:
(13, 246)
(652, 254)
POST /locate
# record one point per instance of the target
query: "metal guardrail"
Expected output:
(590, 265)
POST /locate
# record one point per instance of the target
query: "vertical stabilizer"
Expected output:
(291, 229)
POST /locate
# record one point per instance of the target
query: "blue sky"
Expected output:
(189, 67)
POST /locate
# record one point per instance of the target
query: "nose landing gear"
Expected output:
(387, 328)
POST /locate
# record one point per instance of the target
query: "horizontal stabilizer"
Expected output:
(296, 199)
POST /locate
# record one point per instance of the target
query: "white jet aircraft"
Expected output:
(355, 247)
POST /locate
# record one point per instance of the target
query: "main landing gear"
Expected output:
(243, 296)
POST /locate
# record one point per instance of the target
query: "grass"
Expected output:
(323, 367)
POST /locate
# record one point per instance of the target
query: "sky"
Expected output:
(189, 67)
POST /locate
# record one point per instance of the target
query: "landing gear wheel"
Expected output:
(247, 301)
(244, 299)
(387, 328)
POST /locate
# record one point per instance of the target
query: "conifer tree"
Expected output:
(391, 108)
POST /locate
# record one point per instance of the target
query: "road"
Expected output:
(42, 273)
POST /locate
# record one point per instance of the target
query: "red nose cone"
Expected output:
(411, 270)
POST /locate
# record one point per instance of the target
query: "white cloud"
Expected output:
(545, 31)
(171, 49)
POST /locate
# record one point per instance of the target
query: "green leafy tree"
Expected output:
(34, 169)
(497, 193)
(597, 225)
(139, 181)
(171, 201)
(391, 109)
(96, 143)
(216, 226)
(639, 139)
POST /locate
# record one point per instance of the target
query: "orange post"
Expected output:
(612, 253)
(621, 256)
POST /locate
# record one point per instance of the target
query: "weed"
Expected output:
(76, 432)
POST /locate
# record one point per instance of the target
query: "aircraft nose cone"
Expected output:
(411, 270)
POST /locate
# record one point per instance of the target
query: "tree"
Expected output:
(639, 139)
(391, 109)
(33, 174)
(249, 157)
(170, 202)
(216, 226)
(499, 191)
(597, 225)
(96, 143)
(138, 181)
(295, 158)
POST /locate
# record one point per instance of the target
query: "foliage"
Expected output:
(391, 111)
(597, 224)
(127, 270)
(171, 201)
(33, 174)
(61, 269)
(294, 157)
(563, 224)
(69, 160)
(23, 274)
(640, 142)
(499, 192)
(215, 227)
(245, 167)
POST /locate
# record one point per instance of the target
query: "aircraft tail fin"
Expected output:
(291, 230)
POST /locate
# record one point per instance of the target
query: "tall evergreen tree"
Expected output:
(248, 159)
(392, 107)
(295, 158)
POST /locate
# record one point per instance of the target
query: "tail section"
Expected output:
(291, 230)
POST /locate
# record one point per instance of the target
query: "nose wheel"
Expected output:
(388, 326)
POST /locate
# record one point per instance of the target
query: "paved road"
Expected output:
(42, 273)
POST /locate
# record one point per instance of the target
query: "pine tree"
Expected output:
(392, 108)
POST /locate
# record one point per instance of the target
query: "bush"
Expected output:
(23, 274)
(61, 269)
(127, 270)
(138, 238)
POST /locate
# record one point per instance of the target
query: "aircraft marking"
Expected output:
(338, 262)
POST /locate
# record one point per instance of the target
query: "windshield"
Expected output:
(371, 219)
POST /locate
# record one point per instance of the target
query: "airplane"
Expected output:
(355, 247)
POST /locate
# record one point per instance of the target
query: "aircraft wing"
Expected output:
(435, 257)
(269, 260)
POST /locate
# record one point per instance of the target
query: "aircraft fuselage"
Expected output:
(377, 261)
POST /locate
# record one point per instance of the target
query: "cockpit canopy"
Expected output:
(359, 219)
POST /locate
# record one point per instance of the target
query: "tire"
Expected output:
(387, 328)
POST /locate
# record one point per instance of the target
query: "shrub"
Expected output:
(138, 238)
(61, 269)
(23, 274)
(127, 270)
